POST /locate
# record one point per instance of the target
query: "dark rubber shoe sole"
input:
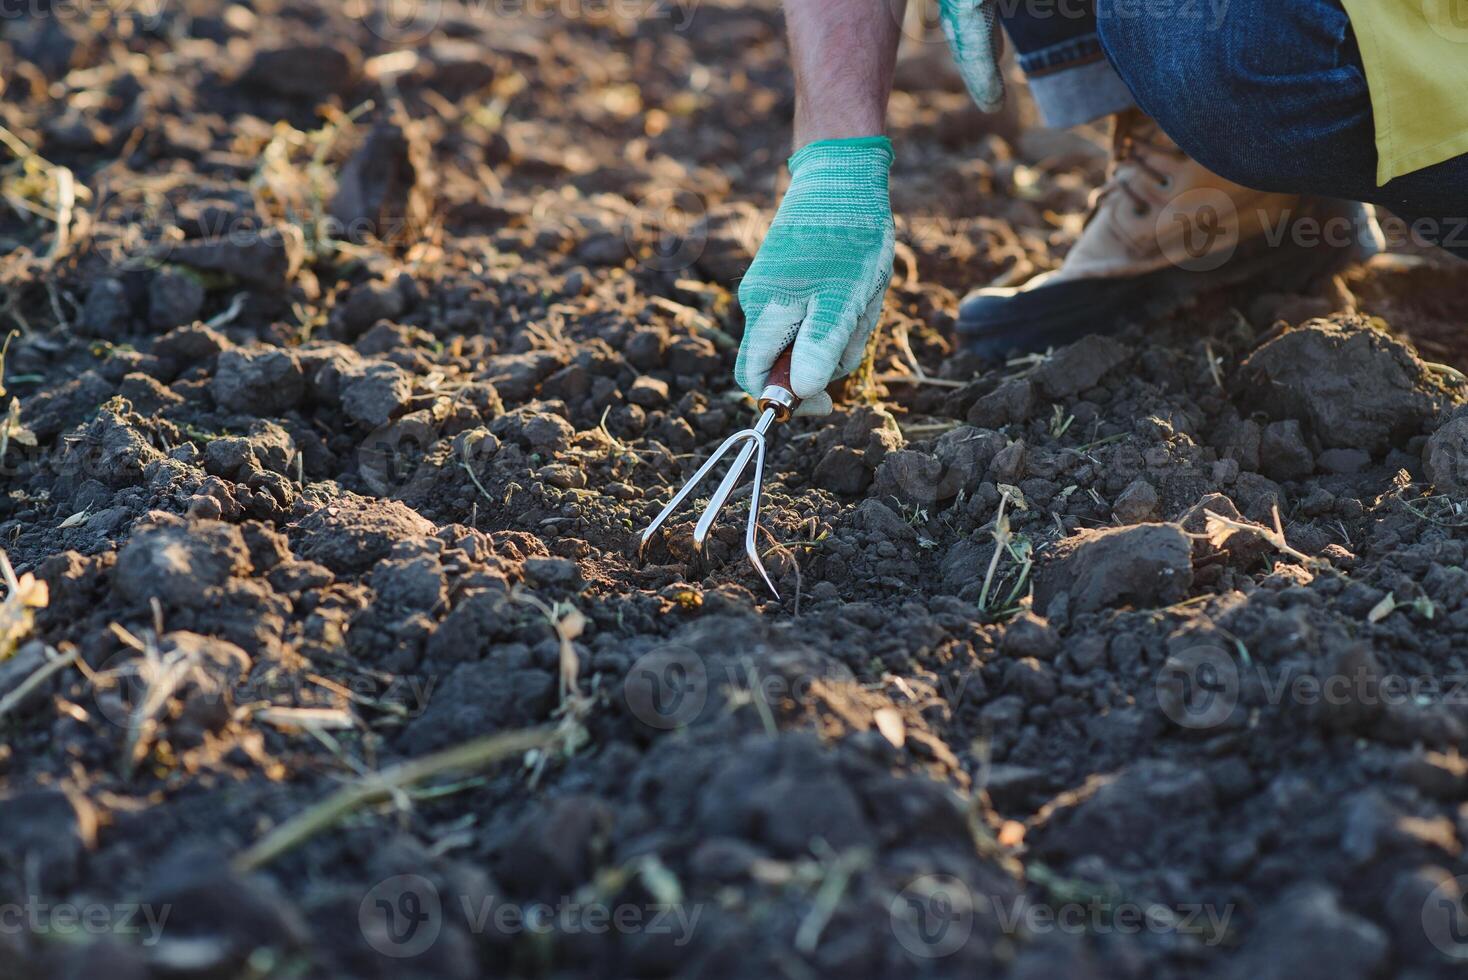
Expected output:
(997, 323)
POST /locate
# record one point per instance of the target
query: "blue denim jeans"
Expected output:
(1059, 49)
(1269, 93)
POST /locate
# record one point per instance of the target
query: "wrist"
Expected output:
(847, 176)
(858, 159)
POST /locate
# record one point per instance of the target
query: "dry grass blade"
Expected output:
(1218, 529)
(1002, 538)
(568, 623)
(54, 664)
(23, 596)
(828, 897)
(471, 756)
(320, 719)
(65, 208)
(469, 468)
(43, 189)
(687, 316)
(162, 676)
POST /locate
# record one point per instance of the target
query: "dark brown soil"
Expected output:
(368, 351)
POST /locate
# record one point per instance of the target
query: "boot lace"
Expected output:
(1136, 140)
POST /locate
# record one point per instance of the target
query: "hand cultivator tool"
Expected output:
(776, 403)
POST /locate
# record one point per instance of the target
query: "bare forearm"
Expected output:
(843, 52)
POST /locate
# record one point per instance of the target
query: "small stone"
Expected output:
(187, 346)
(1242, 546)
(1032, 679)
(204, 507)
(377, 394)
(876, 518)
(843, 470)
(368, 303)
(269, 259)
(1011, 787)
(1226, 471)
(1349, 385)
(258, 381)
(1137, 503)
(44, 835)
(1012, 401)
(385, 189)
(1029, 635)
(913, 477)
(1078, 366)
(539, 430)
(1437, 774)
(644, 350)
(1317, 503)
(304, 70)
(184, 564)
(1143, 565)
(1009, 463)
(106, 311)
(175, 298)
(966, 454)
(1283, 454)
(1343, 462)
(1307, 933)
(553, 572)
(1445, 457)
(649, 392)
(563, 475)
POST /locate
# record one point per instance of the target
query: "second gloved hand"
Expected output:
(974, 38)
(821, 275)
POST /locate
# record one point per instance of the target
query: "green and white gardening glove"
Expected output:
(975, 39)
(821, 275)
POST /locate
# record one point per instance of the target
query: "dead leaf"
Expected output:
(1382, 609)
(889, 722)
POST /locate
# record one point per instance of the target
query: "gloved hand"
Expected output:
(975, 39)
(821, 275)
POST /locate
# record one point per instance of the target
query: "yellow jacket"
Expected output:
(1415, 53)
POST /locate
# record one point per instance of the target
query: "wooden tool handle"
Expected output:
(780, 373)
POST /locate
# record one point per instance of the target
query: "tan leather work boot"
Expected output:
(1161, 230)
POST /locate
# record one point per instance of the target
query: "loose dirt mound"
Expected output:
(337, 423)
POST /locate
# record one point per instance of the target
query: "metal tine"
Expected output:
(752, 529)
(726, 487)
(689, 487)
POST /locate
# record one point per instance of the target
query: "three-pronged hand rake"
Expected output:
(776, 403)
